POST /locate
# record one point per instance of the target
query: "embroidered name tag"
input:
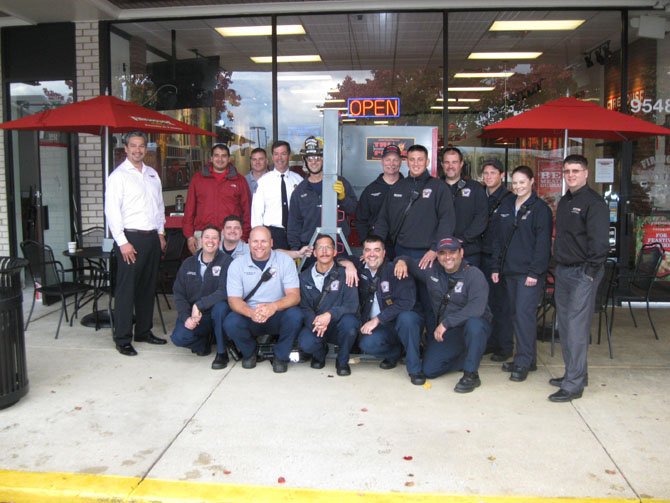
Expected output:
(375, 194)
(191, 273)
(576, 211)
(433, 278)
(397, 195)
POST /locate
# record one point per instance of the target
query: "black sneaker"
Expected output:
(500, 357)
(278, 366)
(343, 370)
(417, 379)
(220, 361)
(468, 382)
(249, 363)
(387, 364)
(317, 364)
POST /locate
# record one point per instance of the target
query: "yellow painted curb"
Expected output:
(22, 487)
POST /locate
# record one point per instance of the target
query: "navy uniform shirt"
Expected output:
(471, 208)
(338, 300)
(392, 294)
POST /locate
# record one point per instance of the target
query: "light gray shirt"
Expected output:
(240, 249)
(319, 279)
(243, 275)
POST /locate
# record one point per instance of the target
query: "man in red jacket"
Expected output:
(214, 193)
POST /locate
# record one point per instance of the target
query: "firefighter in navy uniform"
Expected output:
(470, 205)
(329, 307)
(391, 323)
(500, 343)
(305, 214)
(459, 295)
(372, 198)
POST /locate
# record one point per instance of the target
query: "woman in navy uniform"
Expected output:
(521, 251)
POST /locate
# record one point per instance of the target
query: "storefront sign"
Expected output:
(377, 108)
(375, 146)
(655, 229)
(604, 170)
(549, 179)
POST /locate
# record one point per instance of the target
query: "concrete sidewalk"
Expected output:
(166, 415)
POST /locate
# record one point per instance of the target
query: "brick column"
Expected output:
(91, 170)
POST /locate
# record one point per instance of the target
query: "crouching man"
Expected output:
(459, 297)
(387, 309)
(201, 300)
(329, 308)
(263, 293)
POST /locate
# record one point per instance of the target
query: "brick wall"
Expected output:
(90, 147)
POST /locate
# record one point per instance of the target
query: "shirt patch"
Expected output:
(216, 270)
(273, 271)
(191, 273)
(576, 211)
(459, 287)
(433, 278)
(335, 286)
(386, 288)
(465, 192)
(309, 287)
(525, 215)
(504, 215)
(303, 195)
(375, 194)
(426, 193)
(397, 195)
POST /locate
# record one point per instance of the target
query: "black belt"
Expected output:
(579, 264)
(140, 231)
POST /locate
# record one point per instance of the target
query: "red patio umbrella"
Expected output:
(100, 116)
(570, 117)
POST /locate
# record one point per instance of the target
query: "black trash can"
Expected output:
(13, 372)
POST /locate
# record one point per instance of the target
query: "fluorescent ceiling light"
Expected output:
(331, 108)
(483, 75)
(333, 91)
(289, 76)
(440, 100)
(437, 107)
(457, 108)
(528, 25)
(334, 101)
(381, 123)
(348, 120)
(479, 89)
(305, 58)
(260, 31)
(504, 55)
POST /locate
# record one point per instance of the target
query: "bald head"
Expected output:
(260, 243)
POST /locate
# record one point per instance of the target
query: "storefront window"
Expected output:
(201, 72)
(649, 99)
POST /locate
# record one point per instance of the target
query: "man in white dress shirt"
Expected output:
(270, 205)
(136, 217)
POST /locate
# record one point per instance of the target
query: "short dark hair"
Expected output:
(138, 134)
(524, 170)
(213, 227)
(258, 150)
(222, 146)
(576, 159)
(494, 163)
(374, 238)
(418, 148)
(325, 236)
(451, 150)
(281, 143)
(232, 218)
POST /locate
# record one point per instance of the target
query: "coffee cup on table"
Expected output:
(72, 246)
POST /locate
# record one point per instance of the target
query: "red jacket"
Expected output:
(210, 201)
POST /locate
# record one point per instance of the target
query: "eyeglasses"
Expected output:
(324, 248)
(572, 171)
(313, 158)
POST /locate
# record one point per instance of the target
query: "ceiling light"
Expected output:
(468, 100)
(348, 120)
(440, 100)
(437, 107)
(504, 55)
(478, 89)
(334, 101)
(483, 75)
(295, 76)
(381, 123)
(331, 108)
(260, 31)
(454, 107)
(306, 58)
(528, 25)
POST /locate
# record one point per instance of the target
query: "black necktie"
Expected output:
(284, 204)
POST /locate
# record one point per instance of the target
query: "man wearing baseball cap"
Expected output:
(373, 195)
(459, 297)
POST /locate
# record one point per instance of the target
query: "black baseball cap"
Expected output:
(391, 149)
(449, 243)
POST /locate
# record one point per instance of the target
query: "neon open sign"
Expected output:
(376, 108)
